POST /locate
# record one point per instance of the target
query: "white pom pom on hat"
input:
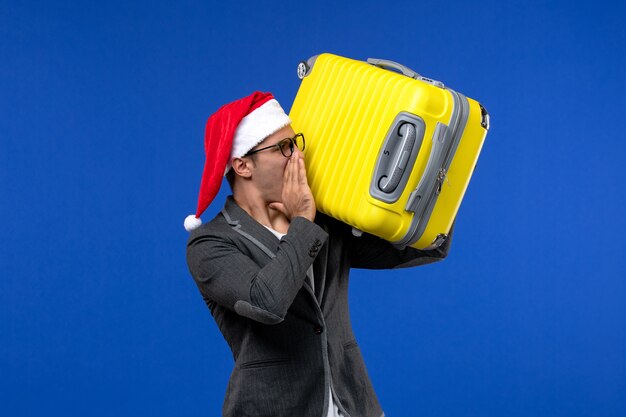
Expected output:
(192, 222)
(230, 133)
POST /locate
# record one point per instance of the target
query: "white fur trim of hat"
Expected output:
(258, 125)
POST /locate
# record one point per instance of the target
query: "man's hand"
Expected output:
(296, 195)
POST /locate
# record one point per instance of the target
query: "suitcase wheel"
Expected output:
(303, 69)
(485, 117)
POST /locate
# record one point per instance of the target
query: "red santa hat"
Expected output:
(230, 133)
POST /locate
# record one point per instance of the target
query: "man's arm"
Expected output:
(231, 279)
(371, 252)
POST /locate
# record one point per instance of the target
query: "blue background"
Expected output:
(102, 112)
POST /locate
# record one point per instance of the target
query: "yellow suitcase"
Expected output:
(389, 153)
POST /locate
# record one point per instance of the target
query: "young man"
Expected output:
(274, 272)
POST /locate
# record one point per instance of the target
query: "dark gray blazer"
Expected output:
(287, 340)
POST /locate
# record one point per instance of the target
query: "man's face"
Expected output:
(269, 166)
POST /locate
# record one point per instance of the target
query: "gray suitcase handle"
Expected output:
(433, 174)
(386, 64)
(392, 177)
(396, 157)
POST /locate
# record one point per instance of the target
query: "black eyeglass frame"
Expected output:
(280, 144)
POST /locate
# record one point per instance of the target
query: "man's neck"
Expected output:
(259, 211)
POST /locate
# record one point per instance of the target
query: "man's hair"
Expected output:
(230, 177)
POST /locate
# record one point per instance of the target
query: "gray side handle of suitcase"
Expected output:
(386, 64)
(396, 157)
(388, 182)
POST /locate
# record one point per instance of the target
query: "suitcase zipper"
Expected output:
(441, 176)
(421, 203)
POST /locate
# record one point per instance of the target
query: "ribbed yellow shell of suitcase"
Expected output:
(345, 108)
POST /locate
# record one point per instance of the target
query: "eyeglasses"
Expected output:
(286, 146)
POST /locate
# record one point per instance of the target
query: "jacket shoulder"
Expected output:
(217, 227)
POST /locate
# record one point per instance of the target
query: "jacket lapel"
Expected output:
(319, 269)
(249, 228)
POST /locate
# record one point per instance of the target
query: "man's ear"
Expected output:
(242, 167)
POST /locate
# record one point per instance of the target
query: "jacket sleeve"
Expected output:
(371, 252)
(230, 278)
